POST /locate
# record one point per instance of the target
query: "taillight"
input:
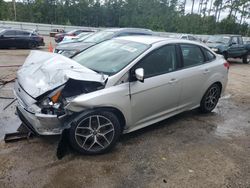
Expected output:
(227, 65)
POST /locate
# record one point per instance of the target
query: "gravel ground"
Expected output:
(188, 150)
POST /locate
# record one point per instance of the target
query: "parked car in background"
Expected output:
(78, 38)
(246, 40)
(185, 36)
(72, 49)
(117, 86)
(10, 38)
(230, 46)
(59, 37)
(53, 32)
(189, 37)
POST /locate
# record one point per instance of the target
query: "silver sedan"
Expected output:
(116, 87)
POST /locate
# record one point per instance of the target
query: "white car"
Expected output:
(117, 86)
(78, 38)
(184, 36)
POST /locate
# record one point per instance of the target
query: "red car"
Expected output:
(59, 37)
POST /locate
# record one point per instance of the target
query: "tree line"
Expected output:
(159, 15)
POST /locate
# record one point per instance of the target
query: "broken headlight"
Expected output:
(53, 103)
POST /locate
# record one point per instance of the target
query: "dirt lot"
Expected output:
(189, 150)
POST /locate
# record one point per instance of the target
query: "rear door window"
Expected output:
(192, 55)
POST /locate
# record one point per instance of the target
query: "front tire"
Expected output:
(210, 98)
(225, 55)
(244, 59)
(95, 133)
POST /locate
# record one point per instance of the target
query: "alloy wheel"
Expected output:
(94, 133)
(212, 97)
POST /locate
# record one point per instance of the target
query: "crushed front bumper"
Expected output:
(41, 124)
(30, 114)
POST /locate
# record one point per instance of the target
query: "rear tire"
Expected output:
(210, 98)
(95, 133)
(32, 45)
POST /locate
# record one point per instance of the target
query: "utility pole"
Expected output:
(14, 6)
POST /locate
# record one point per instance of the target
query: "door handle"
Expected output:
(206, 71)
(173, 80)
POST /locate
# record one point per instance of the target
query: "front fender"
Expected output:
(114, 97)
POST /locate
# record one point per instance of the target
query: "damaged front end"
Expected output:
(44, 89)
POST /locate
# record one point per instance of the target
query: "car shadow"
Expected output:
(169, 123)
(168, 126)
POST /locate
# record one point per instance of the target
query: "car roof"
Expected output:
(149, 40)
(17, 30)
(128, 29)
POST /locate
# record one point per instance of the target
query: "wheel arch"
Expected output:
(120, 116)
(117, 112)
(219, 84)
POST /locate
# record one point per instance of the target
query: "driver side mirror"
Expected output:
(1, 36)
(139, 74)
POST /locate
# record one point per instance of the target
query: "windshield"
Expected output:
(111, 56)
(218, 39)
(100, 36)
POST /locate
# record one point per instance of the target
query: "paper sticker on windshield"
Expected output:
(129, 49)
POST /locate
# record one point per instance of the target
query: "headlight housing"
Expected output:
(52, 103)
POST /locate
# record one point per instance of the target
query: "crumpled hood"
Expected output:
(45, 71)
(77, 46)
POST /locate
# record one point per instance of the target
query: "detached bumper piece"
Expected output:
(17, 136)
